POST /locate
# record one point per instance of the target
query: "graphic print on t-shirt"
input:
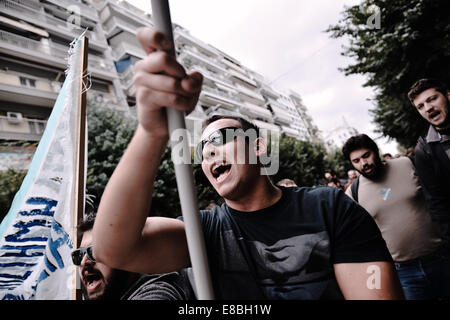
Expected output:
(294, 260)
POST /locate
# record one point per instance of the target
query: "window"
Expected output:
(27, 82)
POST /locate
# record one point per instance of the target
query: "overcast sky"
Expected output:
(284, 41)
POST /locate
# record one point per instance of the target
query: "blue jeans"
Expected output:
(426, 278)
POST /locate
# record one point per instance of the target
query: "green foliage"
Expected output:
(165, 201)
(413, 42)
(109, 132)
(10, 182)
(300, 161)
(336, 161)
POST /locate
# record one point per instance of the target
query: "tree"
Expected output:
(335, 160)
(300, 161)
(10, 182)
(109, 132)
(410, 42)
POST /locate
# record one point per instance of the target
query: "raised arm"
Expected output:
(123, 236)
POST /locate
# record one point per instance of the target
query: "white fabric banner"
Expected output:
(35, 236)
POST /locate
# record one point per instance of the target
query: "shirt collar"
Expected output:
(433, 135)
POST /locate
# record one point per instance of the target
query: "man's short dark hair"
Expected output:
(86, 224)
(425, 84)
(357, 142)
(245, 124)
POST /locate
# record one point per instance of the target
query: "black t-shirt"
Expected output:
(287, 251)
(169, 286)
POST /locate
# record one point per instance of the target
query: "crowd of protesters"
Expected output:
(272, 241)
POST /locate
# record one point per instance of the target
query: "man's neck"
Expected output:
(444, 127)
(263, 195)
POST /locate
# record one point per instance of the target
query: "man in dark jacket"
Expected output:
(432, 154)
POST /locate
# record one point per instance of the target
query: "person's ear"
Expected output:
(260, 146)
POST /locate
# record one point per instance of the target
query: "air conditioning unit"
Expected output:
(14, 117)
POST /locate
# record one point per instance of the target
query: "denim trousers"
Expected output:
(426, 278)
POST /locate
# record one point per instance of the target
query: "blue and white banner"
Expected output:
(35, 236)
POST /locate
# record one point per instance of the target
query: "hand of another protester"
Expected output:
(161, 81)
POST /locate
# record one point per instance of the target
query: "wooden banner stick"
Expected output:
(80, 163)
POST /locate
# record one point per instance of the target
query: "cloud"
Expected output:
(285, 42)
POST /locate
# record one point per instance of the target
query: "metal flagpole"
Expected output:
(184, 175)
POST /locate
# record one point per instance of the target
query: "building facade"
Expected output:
(34, 39)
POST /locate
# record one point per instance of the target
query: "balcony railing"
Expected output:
(256, 111)
(49, 22)
(51, 52)
(199, 57)
(129, 11)
(214, 77)
(126, 77)
(25, 129)
(219, 97)
(183, 36)
(86, 11)
(126, 48)
(251, 93)
(121, 24)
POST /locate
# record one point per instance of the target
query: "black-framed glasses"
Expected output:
(218, 138)
(78, 254)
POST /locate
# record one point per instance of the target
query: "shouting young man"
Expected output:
(264, 241)
(101, 282)
(432, 153)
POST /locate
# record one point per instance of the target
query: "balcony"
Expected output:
(195, 56)
(126, 80)
(242, 77)
(213, 97)
(22, 88)
(124, 49)
(25, 129)
(101, 68)
(183, 37)
(215, 78)
(84, 10)
(64, 29)
(51, 54)
(268, 91)
(126, 11)
(256, 111)
(234, 66)
(289, 131)
(258, 98)
(116, 24)
(281, 115)
(265, 125)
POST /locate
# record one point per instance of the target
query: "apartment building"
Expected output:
(337, 136)
(34, 41)
(34, 37)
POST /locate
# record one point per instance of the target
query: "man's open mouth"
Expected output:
(434, 115)
(368, 169)
(220, 171)
(92, 279)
